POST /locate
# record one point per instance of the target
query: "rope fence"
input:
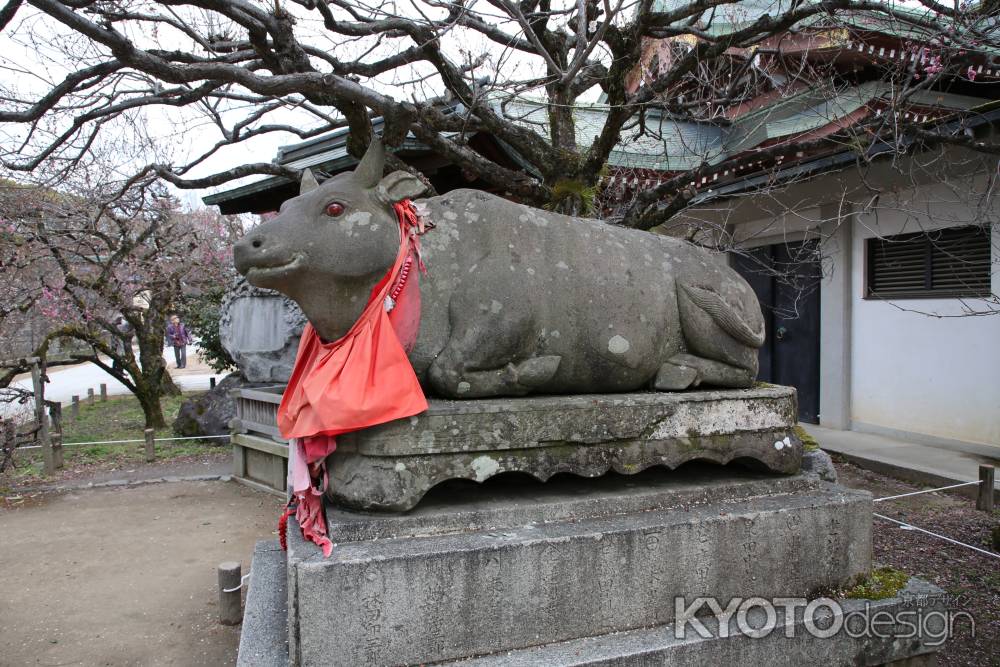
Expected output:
(48, 423)
(129, 442)
(917, 493)
(909, 526)
(984, 501)
(243, 580)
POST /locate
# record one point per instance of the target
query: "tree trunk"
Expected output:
(149, 399)
(167, 385)
(155, 380)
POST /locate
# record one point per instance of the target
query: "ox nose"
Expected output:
(246, 251)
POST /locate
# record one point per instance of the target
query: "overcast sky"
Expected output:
(37, 53)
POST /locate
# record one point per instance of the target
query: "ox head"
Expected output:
(331, 237)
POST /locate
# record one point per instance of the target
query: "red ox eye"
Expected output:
(334, 209)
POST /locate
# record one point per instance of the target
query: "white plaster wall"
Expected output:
(919, 374)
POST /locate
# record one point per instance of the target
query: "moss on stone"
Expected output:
(882, 583)
(572, 195)
(809, 443)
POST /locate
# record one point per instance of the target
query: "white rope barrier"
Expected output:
(908, 526)
(128, 442)
(917, 493)
(242, 581)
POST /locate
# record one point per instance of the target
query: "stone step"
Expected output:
(660, 645)
(461, 506)
(264, 636)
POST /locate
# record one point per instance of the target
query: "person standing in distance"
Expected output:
(179, 338)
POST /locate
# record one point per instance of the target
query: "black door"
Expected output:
(786, 278)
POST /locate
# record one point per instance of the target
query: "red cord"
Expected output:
(283, 528)
(404, 273)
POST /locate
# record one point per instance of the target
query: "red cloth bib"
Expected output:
(357, 381)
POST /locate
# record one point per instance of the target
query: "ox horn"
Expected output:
(369, 170)
(308, 182)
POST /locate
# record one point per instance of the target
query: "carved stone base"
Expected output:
(511, 564)
(390, 467)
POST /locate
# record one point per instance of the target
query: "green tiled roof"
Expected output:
(808, 110)
(726, 19)
(327, 152)
(664, 144)
(670, 144)
(898, 26)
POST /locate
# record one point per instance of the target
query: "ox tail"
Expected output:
(724, 315)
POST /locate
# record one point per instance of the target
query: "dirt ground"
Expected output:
(970, 580)
(125, 576)
(214, 461)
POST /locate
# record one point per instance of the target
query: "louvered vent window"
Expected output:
(944, 263)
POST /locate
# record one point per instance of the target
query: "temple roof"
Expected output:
(657, 144)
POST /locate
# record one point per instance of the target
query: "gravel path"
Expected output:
(210, 465)
(124, 576)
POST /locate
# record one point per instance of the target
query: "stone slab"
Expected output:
(391, 466)
(260, 329)
(264, 636)
(461, 506)
(426, 598)
(649, 647)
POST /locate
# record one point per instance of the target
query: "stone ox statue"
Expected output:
(517, 300)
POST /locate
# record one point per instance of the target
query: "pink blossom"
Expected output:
(934, 66)
(971, 73)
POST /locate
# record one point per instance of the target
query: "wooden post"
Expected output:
(74, 412)
(104, 392)
(211, 382)
(984, 501)
(58, 460)
(230, 603)
(150, 445)
(8, 438)
(42, 419)
(90, 395)
(55, 414)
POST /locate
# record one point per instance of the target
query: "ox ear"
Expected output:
(307, 182)
(369, 170)
(399, 185)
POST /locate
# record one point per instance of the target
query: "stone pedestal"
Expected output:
(551, 563)
(574, 571)
(391, 466)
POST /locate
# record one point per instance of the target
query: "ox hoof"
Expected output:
(673, 377)
(537, 371)
(697, 371)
